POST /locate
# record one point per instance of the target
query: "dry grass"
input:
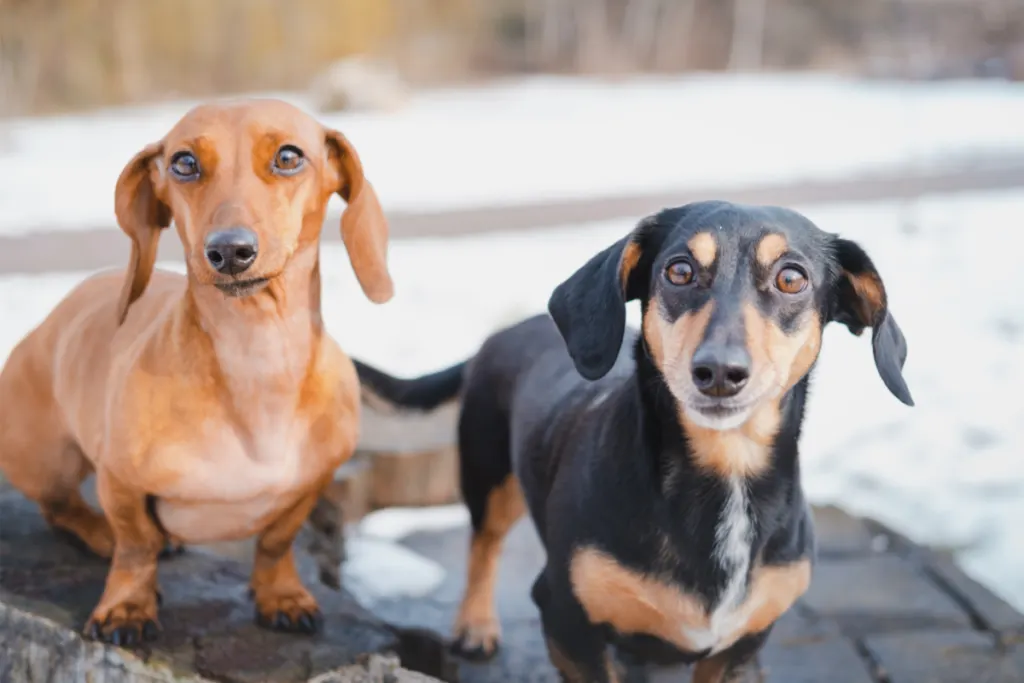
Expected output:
(83, 53)
(70, 54)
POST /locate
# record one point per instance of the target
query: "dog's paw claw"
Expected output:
(310, 623)
(150, 630)
(473, 647)
(293, 611)
(301, 622)
(125, 635)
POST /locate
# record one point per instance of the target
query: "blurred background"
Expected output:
(61, 55)
(521, 136)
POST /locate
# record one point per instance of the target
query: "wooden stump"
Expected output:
(415, 478)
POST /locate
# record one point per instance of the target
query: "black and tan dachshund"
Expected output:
(660, 469)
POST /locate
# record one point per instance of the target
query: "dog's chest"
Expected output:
(732, 553)
(651, 602)
(234, 483)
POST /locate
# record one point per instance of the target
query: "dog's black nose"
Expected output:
(720, 371)
(231, 251)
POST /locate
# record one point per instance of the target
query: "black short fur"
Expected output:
(573, 404)
(422, 393)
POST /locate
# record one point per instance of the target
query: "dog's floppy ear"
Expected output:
(141, 215)
(589, 308)
(363, 226)
(859, 301)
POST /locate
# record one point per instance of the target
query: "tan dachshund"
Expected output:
(212, 406)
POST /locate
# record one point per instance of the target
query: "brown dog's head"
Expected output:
(734, 302)
(247, 185)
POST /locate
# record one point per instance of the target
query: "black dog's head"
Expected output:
(734, 302)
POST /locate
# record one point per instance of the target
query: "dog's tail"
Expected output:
(382, 392)
(421, 412)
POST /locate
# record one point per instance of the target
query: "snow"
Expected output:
(377, 570)
(394, 524)
(948, 471)
(548, 137)
(379, 567)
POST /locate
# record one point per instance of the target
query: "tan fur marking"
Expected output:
(781, 360)
(786, 358)
(632, 602)
(631, 254)
(673, 344)
(744, 451)
(477, 623)
(770, 248)
(704, 248)
(773, 590)
(870, 296)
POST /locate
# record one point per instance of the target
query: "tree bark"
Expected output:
(747, 47)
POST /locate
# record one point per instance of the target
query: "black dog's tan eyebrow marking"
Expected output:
(704, 248)
(770, 248)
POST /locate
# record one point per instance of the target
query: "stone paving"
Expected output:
(880, 610)
(48, 587)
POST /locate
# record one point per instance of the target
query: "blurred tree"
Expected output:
(746, 50)
(60, 54)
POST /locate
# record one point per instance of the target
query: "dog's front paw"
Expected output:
(293, 612)
(476, 640)
(124, 624)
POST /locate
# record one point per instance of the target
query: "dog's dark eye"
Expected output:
(679, 273)
(289, 160)
(184, 166)
(791, 281)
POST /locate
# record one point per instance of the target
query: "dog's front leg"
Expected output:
(576, 647)
(735, 665)
(127, 612)
(282, 602)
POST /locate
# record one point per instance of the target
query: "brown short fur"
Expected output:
(204, 416)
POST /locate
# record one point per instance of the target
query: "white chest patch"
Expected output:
(733, 539)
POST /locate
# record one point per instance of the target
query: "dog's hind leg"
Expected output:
(495, 503)
(42, 461)
(64, 509)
